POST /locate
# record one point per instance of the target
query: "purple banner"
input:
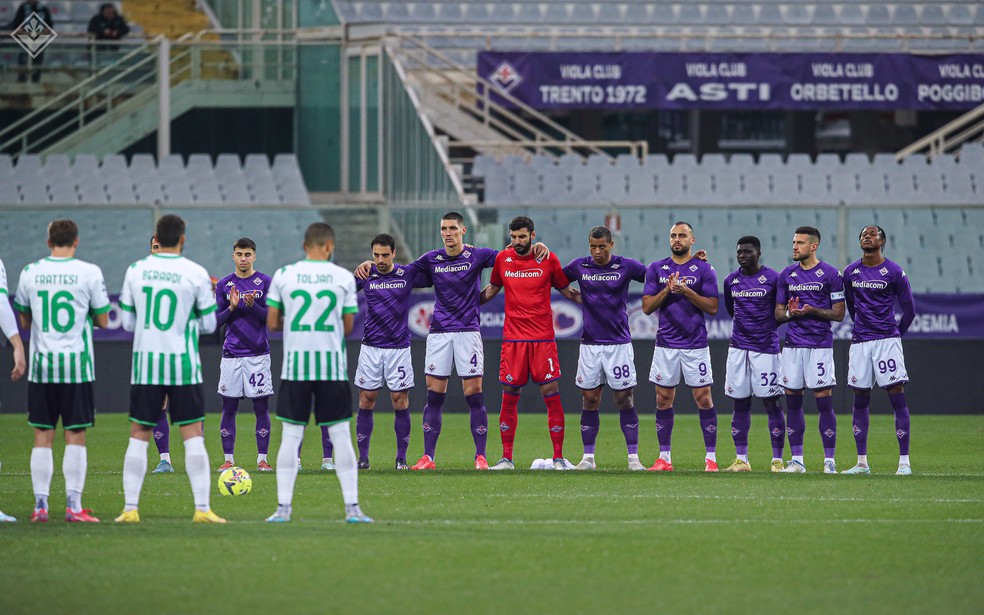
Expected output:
(939, 316)
(777, 81)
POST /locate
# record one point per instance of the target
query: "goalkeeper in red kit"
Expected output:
(529, 351)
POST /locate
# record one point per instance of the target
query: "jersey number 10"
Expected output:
(155, 309)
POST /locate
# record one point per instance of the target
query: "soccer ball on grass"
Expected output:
(235, 481)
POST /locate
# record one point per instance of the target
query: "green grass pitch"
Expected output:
(458, 541)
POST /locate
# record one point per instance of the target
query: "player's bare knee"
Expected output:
(75, 437)
(549, 388)
(702, 397)
(401, 400)
(44, 438)
(437, 385)
(664, 397)
(624, 399)
(818, 393)
(470, 386)
(591, 399)
(367, 399)
(140, 432)
(895, 389)
(191, 430)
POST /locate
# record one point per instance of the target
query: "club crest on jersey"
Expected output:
(883, 271)
(400, 271)
(616, 265)
(830, 433)
(819, 273)
(693, 267)
(762, 279)
(257, 281)
(466, 253)
(509, 378)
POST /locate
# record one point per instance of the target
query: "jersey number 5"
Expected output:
(320, 324)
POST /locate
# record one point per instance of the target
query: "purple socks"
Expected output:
(432, 421)
(479, 421)
(629, 421)
(901, 421)
(363, 431)
(828, 425)
(162, 435)
(261, 408)
(227, 426)
(590, 423)
(709, 428)
(401, 425)
(664, 428)
(860, 421)
(741, 422)
(795, 424)
(777, 426)
(327, 448)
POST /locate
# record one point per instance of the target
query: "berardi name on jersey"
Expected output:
(153, 275)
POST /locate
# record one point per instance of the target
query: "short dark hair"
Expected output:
(881, 232)
(601, 232)
(453, 215)
(686, 224)
(153, 240)
(62, 233)
(752, 239)
(520, 222)
(383, 239)
(318, 234)
(808, 230)
(244, 242)
(170, 228)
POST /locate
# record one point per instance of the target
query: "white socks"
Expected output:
(42, 467)
(903, 460)
(863, 460)
(290, 445)
(230, 459)
(134, 469)
(798, 459)
(712, 457)
(196, 464)
(665, 456)
(73, 468)
(348, 475)
(166, 457)
(743, 458)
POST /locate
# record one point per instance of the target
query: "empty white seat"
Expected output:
(56, 164)
(142, 165)
(28, 164)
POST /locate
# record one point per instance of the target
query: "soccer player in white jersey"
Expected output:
(872, 285)
(8, 325)
(59, 299)
(313, 302)
(166, 301)
(809, 296)
(162, 431)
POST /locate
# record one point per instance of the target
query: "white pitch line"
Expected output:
(780, 498)
(662, 521)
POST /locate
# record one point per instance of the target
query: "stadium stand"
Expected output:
(58, 181)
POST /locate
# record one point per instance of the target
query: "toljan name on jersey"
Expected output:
(314, 278)
(64, 279)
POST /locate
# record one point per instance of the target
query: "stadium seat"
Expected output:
(56, 164)
(28, 165)
(142, 165)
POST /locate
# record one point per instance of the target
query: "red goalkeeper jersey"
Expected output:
(528, 283)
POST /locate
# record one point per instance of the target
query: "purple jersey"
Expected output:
(604, 291)
(387, 304)
(822, 287)
(457, 289)
(681, 323)
(871, 292)
(246, 328)
(751, 301)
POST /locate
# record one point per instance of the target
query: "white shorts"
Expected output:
(611, 363)
(669, 363)
(462, 349)
(245, 377)
(807, 368)
(378, 364)
(878, 361)
(752, 373)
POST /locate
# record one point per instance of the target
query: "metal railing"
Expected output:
(441, 76)
(948, 139)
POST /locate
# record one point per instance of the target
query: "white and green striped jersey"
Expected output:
(167, 294)
(313, 296)
(61, 295)
(8, 323)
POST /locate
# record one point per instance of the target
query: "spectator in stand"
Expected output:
(23, 12)
(108, 25)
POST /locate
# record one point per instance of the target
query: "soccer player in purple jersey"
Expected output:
(753, 357)
(606, 354)
(872, 285)
(683, 288)
(809, 296)
(455, 339)
(385, 354)
(245, 367)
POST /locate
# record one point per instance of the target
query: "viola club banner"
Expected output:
(770, 81)
(939, 316)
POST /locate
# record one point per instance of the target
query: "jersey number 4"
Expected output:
(321, 323)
